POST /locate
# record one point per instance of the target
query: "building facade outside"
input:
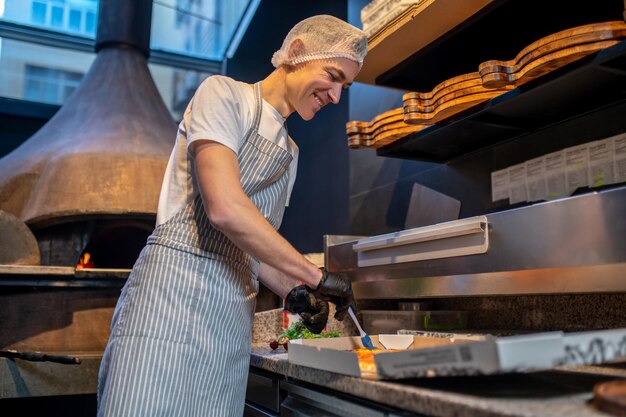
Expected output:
(34, 72)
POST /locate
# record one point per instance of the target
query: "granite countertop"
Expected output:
(559, 392)
(563, 391)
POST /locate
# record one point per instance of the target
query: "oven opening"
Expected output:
(115, 245)
(99, 242)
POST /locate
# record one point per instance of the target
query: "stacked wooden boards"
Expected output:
(380, 131)
(448, 98)
(550, 53)
(493, 78)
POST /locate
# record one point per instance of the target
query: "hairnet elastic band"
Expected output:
(323, 55)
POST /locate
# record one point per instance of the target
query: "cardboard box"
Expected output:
(427, 356)
(595, 347)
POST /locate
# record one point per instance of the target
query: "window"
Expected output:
(32, 68)
(39, 12)
(201, 28)
(176, 86)
(72, 16)
(75, 20)
(56, 20)
(90, 22)
(49, 85)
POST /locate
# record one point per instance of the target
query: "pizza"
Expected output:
(366, 358)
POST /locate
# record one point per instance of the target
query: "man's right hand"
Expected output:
(336, 287)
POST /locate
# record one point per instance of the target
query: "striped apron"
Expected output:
(180, 334)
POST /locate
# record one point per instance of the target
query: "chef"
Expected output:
(180, 334)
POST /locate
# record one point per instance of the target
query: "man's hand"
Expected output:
(336, 287)
(314, 311)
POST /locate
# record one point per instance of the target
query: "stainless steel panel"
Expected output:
(334, 248)
(572, 280)
(572, 245)
(451, 239)
(305, 402)
(294, 407)
(251, 410)
(263, 390)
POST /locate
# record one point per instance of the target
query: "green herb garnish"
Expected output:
(298, 331)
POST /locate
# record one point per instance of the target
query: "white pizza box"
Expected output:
(427, 356)
(594, 347)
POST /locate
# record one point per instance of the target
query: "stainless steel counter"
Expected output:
(560, 392)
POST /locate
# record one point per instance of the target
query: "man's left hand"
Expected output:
(314, 311)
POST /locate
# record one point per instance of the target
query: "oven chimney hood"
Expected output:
(105, 151)
(103, 154)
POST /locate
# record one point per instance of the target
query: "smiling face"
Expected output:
(314, 84)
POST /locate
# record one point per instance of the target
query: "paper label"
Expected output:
(576, 167)
(517, 183)
(500, 185)
(555, 175)
(601, 163)
(619, 152)
(535, 179)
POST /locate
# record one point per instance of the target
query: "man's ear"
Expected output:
(296, 48)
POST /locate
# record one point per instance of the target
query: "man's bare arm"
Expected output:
(232, 212)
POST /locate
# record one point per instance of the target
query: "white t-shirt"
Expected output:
(221, 110)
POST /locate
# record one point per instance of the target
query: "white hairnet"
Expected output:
(323, 36)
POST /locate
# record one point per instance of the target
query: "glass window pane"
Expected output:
(38, 14)
(37, 72)
(32, 90)
(176, 86)
(49, 85)
(50, 93)
(75, 20)
(40, 73)
(56, 17)
(90, 23)
(202, 28)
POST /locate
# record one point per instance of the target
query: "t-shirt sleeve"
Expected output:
(215, 114)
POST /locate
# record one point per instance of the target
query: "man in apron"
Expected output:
(180, 334)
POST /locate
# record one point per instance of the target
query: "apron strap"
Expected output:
(258, 103)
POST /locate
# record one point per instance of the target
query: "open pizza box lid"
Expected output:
(425, 356)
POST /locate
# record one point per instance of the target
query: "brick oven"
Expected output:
(87, 181)
(90, 178)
